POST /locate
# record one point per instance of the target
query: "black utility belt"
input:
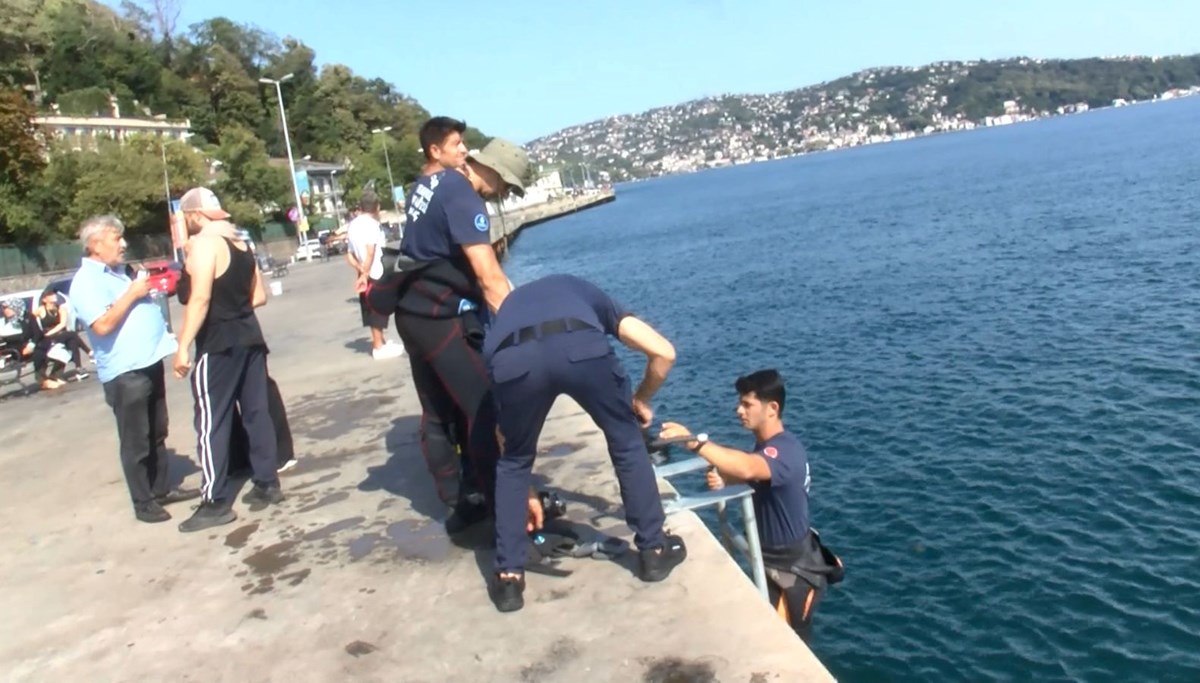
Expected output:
(543, 330)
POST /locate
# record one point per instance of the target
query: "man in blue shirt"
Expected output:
(450, 272)
(551, 338)
(798, 566)
(129, 339)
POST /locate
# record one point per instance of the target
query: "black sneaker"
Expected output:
(465, 516)
(151, 512)
(264, 494)
(177, 496)
(657, 563)
(506, 593)
(208, 515)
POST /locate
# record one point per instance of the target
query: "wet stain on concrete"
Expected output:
(328, 461)
(676, 670)
(363, 545)
(316, 482)
(556, 594)
(296, 578)
(758, 677)
(327, 500)
(265, 585)
(419, 540)
(257, 613)
(238, 537)
(331, 529)
(359, 648)
(566, 448)
(561, 651)
(411, 540)
(271, 560)
(385, 504)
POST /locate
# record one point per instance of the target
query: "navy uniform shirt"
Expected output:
(444, 215)
(781, 504)
(554, 297)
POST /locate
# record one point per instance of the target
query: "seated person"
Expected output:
(52, 322)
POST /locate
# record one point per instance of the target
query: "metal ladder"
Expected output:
(747, 543)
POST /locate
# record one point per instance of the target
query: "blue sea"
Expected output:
(990, 341)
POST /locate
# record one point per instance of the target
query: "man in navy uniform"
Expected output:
(551, 338)
(798, 566)
(450, 272)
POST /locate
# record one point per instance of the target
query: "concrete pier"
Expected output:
(352, 577)
(507, 226)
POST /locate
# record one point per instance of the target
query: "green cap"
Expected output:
(507, 159)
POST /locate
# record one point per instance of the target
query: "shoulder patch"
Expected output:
(481, 222)
(770, 452)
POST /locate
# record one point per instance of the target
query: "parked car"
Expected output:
(164, 275)
(25, 301)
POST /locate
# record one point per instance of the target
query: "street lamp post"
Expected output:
(337, 214)
(387, 160)
(302, 223)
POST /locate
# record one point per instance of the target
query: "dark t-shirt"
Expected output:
(781, 504)
(554, 297)
(444, 215)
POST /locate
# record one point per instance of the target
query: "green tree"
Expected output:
(249, 183)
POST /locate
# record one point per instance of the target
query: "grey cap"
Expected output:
(507, 159)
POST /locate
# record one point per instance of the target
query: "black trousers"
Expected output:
(219, 380)
(139, 401)
(528, 378)
(456, 405)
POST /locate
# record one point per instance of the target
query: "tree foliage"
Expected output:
(73, 55)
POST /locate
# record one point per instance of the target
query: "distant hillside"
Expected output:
(874, 105)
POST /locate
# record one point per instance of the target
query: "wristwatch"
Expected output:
(701, 439)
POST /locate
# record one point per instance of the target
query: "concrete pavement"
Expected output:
(352, 577)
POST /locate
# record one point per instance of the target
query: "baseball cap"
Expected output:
(507, 159)
(202, 199)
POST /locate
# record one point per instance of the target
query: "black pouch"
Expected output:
(473, 330)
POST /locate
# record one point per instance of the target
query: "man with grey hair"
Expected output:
(130, 339)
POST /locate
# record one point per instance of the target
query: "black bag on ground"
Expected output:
(239, 446)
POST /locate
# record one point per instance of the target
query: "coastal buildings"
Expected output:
(868, 107)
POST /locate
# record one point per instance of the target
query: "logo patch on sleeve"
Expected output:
(770, 452)
(481, 222)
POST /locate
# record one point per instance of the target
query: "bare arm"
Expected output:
(660, 354)
(62, 322)
(734, 466)
(202, 267)
(258, 294)
(491, 277)
(115, 315)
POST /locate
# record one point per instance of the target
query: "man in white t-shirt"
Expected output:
(365, 238)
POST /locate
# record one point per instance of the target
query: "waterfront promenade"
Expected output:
(352, 577)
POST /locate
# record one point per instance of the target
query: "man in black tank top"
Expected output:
(231, 358)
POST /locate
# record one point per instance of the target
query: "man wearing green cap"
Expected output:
(450, 274)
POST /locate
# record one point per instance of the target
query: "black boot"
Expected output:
(507, 593)
(657, 563)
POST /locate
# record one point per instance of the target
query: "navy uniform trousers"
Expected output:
(527, 378)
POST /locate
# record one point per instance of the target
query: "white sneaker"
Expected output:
(384, 352)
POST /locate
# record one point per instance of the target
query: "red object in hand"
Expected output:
(164, 275)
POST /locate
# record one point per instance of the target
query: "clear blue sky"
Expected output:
(520, 69)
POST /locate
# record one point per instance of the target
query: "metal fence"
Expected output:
(17, 260)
